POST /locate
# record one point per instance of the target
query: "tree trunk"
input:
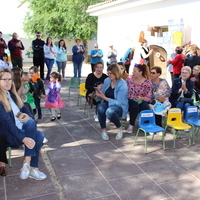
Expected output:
(85, 44)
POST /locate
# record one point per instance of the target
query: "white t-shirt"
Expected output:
(15, 110)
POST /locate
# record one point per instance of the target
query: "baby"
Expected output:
(160, 108)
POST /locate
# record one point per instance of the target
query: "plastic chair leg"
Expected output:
(152, 137)
(163, 139)
(189, 137)
(9, 157)
(145, 142)
(136, 137)
(175, 134)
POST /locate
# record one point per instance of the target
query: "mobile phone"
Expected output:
(20, 115)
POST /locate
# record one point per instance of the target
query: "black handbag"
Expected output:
(186, 100)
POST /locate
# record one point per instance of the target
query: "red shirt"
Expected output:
(178, 63)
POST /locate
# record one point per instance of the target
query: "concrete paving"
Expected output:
(81, 166)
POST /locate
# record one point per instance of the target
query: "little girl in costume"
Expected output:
(53, 101)
(27, 97)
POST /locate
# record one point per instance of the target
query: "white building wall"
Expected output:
(122, 28)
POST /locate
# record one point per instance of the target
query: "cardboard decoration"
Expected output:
(141, 37)
(177, 38)
(158, 58)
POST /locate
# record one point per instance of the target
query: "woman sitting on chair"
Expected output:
(182, 90)
(114, 102)
(139, 92)
(93, 80)
(18, 127)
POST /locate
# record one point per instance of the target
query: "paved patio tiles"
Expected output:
(22, 189)
(52, 196)
(163, 170)
(83, 186)
(67, 164)
(182, 156)
(193, 168)
(120, 168)
(102, 152)
(111, 197)
(184, 189)
(81, 166)
(136, 153)
(139, 187)
(1, 183)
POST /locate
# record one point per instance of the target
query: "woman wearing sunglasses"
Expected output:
(139, 92)
(161, 92)
(114, 102)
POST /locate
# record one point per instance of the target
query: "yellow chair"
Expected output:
(174, 120)
(82, 93)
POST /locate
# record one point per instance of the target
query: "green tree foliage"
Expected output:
(61, 18)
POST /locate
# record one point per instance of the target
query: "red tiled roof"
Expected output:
(100, 4)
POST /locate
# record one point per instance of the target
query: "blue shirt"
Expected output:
(61, 54)
(120, 95)
(95, 59)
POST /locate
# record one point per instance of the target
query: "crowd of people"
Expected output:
(114, 95)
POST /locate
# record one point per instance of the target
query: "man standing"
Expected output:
(3, 44)
(15, 46)
(38, 53)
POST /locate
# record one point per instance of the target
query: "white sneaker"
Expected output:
(25, 171)
(37, 175)
(119, 135)
(45, 140)
(96, 118)
(129, 129)
(107, 120)
(104, 135)
(151, 133)
(64, 79)
(127, 117)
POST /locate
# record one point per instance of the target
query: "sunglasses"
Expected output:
(153, 72)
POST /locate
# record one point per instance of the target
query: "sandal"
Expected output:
(3, 171)
(58, 115)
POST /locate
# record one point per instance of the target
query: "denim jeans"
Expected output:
(38, 107)
(113, 113)
(77, 68)
(182, 106)
(61, 66)
(29, 129)
(49, 64)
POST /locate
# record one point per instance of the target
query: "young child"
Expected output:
(53, 101)
(36, 89)
(161, 108)
(27, 97)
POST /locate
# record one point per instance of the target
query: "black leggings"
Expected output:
(3, 149)
(135, 108)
